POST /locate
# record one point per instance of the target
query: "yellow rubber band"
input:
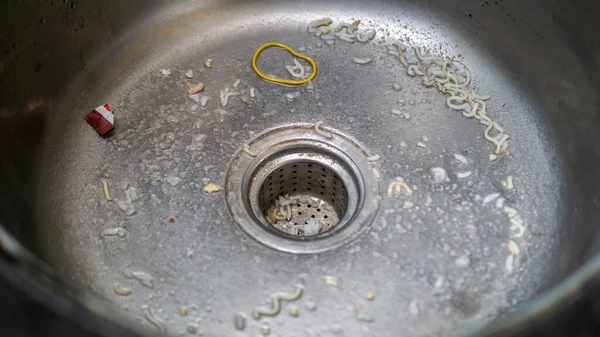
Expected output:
(279, 80)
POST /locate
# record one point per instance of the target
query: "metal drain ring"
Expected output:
(298, 144)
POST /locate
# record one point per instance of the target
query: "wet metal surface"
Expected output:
(435, 259)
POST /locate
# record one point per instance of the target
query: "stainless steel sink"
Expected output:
(165, 254)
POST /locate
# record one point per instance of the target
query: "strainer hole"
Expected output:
(308, 206)
(318, 209)
(325, 217)
(313, 216)
(322, 193)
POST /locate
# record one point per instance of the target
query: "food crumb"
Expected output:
(183, 311)
(331, 281)
(106, 189)
(370, 296)
(208, 63)
(171, 220)
(196, 88)
(211, 188)
(121, 291)
(294, 312)
(189, 254)
(265, 330)
(155, 176)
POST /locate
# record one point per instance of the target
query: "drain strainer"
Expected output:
(300, 191)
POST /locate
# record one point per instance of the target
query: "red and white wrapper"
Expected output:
(102, 119)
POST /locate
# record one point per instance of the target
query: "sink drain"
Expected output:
(306, 195)
(302, 192)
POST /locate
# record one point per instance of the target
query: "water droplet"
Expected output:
(439, 282)
(363, 317)
(463, 261)
(198, 142)
(239, 322)
(336, 329)
(173, 181)
(192, 328)
(414, 307)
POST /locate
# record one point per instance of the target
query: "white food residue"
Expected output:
(362, 61)
(438, 174)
